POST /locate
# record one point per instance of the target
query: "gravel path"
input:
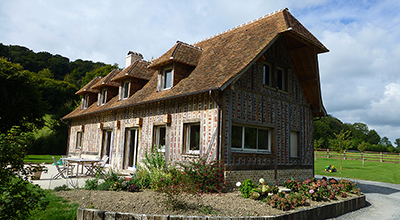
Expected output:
(383, 201)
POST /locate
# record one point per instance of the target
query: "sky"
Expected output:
(360, 76)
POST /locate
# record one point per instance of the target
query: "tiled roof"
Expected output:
(137, 69)
(223, 58)
(107, 80)
(89, 87)
(180, 52)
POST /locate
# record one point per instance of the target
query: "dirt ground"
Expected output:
(149, 202)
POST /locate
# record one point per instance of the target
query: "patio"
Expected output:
(46, 181)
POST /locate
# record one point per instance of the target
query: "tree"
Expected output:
(362, 147)
(341, 143)
(17, 196)
(21, 102)
(373, 137)
(397, 143)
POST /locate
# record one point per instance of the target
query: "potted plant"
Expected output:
(36, 170)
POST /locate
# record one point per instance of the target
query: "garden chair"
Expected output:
(99, 166)
(62, 170)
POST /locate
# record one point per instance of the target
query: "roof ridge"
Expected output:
(90, 84)
(177, 42)
(190, 45)
(241, 25)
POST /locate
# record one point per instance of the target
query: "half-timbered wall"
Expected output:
(251, 103)
(196, 108)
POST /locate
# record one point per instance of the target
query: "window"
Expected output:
(294, 144)
(160, 137)
(192, 138)
(85, 100)
(280, 79)
(166, 79)
(125, 90)
(107, 145)
(250, 139)
(267, 75)
(103, 97)
(79, 140)
(131, 149)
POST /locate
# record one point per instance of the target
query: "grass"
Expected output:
(41, 158)
(58, 208)
(373, 171)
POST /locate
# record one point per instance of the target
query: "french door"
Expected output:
(131, 148)
(107, 145)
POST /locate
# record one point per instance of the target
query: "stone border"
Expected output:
(323, 211)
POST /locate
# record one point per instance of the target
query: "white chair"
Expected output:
(99, 166)
(62, 170)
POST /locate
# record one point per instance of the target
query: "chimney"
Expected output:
(132, 57)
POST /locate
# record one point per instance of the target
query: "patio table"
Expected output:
(82, 162)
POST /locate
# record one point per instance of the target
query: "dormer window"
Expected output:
(103, 97)
(281, 79)
(125, 90)
(166, 78)
(85, 101)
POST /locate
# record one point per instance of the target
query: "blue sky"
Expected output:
(360, 77)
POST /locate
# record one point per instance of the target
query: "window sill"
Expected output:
(191, 155)
(252, 154)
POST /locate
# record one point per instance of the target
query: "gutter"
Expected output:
(219, 153)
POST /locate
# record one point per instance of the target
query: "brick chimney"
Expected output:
(132, 57)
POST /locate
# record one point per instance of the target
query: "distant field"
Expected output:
(41, 158)
(374, 171)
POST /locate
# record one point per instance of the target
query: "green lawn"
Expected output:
(41, 158)
(58, 208)
(374, 171)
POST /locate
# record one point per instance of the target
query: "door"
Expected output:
(131, 146)
(107, 145)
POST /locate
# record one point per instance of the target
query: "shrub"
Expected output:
(246, 187)
(207, 176)
(91, 184)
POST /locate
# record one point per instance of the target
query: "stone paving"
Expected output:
(46, 181)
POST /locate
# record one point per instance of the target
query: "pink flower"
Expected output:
(311, 191)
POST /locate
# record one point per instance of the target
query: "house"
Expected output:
(246, 96)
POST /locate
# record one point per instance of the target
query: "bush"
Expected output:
(246, 187)
(18, 197)
(208, 177)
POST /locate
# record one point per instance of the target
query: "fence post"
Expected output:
(327, 153)
(381, 156)
(344, 155)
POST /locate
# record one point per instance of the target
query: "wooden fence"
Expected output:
(385, 157)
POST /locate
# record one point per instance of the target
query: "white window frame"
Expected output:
(162, 78)
(294, 144)
(85, 101)
(102, 96)
(79, 137)
(128, 147)
(157, 137)
(187, 134)
(267, 65)
(107, 142)
(242, 147)
(125, 90)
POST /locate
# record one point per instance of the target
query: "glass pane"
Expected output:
(250, 138)
(294, 142)
(279, 79)
(263, 139)
(126, 90)
(161, 137)
(194, 137)
(266, 75)
(236, 138)
(167, 79)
